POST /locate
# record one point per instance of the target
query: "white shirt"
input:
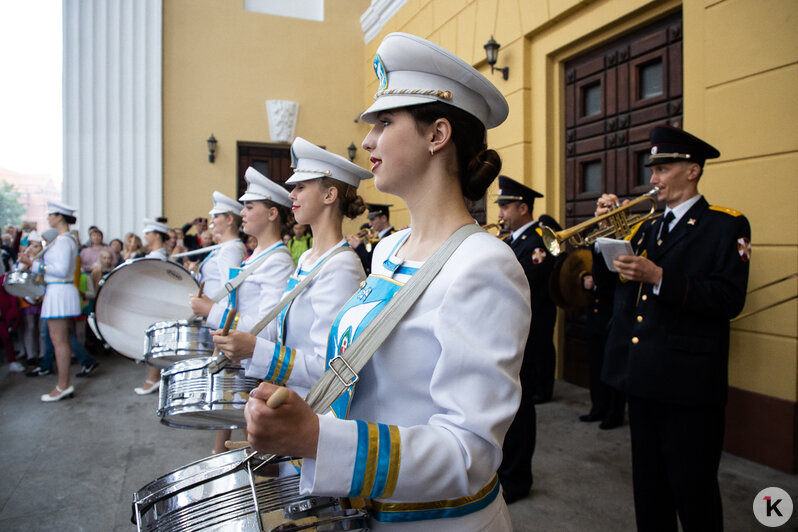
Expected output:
(259, 292)
(308, 321)
(214, 271)
(447, 377)
(520, 231)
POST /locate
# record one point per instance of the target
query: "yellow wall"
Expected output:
(740, 74)
(220, 65)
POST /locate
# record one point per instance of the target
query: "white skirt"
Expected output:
(61, 300)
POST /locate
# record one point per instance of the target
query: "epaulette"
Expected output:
(636, 226)
(727, 210)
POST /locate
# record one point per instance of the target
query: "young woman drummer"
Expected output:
(264, 212)
(325, 190)
(214, 270)
(61, 298)
(424, 427)
(156, 234)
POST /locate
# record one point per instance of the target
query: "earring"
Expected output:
(431, 151)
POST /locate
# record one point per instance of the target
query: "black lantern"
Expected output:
(352, 150)
(211, 148)
(492, 54)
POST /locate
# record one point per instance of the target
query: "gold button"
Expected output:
(639, 319)
(363, 284)
(635, 340)
(645, 297)
(595, 310)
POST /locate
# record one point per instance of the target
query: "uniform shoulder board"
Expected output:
(727, 210)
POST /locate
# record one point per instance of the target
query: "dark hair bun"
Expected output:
(355, 207)
(481, 172)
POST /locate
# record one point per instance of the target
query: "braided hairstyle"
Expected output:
(477, 166)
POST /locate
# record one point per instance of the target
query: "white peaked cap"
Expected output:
(413, 71)
(34, 236)
(223, 205)
(152, 225)
(260, 187)
(53, 207)
(311, 162)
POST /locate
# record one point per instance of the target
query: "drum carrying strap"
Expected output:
(221, 361)
(343, 371)
(236, 281)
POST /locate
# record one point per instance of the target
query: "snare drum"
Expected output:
(24, 283)
(167, 342)
(191, 398)
(136, 294)
(228, 492)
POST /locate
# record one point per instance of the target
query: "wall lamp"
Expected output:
(352, 151)
(492, 54)
(211, 148)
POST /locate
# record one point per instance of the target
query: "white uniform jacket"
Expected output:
(214, 270)
(159, 253)
(259, 292)
(430, 411)
(297, 357)
(61, 298)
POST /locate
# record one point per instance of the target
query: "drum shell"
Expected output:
(136, 294)
(191, 398)
(24, 284)
(216, 493)
(168, 342)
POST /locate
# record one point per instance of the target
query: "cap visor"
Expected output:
(249, 196)
(396, 101)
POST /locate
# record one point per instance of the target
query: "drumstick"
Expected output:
(218, 360)
(230, 445)
(202, 286)
(278, 397)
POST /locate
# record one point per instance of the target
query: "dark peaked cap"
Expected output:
(669, 144)
(378, 208)
(511, 190)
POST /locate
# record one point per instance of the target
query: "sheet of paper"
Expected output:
(611, 248)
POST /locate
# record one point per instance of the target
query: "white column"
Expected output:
(112, 113)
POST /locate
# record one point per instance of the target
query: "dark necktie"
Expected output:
(666, 222)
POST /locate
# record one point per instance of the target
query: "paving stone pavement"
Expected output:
(74, 465)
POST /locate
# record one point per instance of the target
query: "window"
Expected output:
(650, 80)
(591, 99)
(591, 177)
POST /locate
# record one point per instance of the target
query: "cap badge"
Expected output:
(379, 69)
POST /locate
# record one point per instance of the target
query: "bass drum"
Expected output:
(227, 492)
(137, 294)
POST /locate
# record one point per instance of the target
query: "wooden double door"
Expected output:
(614, 95)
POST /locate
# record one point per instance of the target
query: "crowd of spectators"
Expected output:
(25, 340)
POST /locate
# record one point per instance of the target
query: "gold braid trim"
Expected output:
(444, 95)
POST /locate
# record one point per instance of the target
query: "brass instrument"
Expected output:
(369, 238)
(498, 226)
(620, 225)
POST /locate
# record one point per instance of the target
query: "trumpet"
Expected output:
(498, 226)
(620, 225)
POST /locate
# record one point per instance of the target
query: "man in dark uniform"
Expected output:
(379, 221)
(537, 370)
(668, 344)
